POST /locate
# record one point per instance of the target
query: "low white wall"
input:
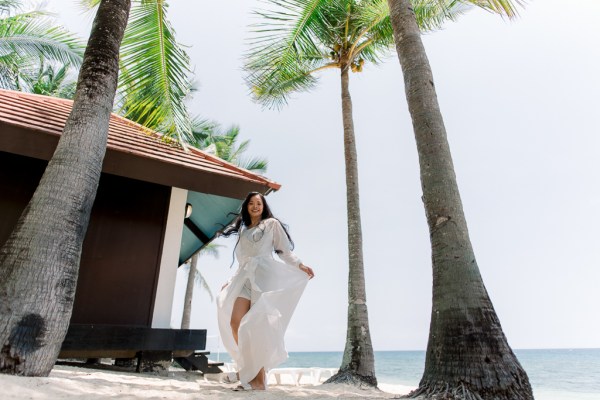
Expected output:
(163, 303)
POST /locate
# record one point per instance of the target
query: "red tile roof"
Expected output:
(127, 139)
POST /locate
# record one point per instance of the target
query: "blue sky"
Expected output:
(519, 99)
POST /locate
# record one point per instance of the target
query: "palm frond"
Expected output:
(8, 75)
(48, 81)
(253, 164)
(32, 35)
(373, 17)
(157, 79)
(203, 131)
(88, 4)
(225, 143)
(285, 50)
(211, 249)
(375, 38)
(8, 6)
(431, 15)
(236, 151)
(67, 90)
(506, 8)
(200, 279)
(210, 137)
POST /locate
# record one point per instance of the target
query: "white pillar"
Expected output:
(163, 302)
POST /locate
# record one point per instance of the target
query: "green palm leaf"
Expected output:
(8, 72)
(503, 7)
(283, 51)
(28, 37)
(208, 136)
(254, 164)
(49, 82)
(7, 6)
(32, 34)
(203, 132)
(155, 78)
(89, 4)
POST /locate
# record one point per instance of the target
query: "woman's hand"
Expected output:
(307, 270)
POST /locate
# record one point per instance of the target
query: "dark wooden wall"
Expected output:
(122, 249)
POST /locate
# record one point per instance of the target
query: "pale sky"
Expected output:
(519, 99)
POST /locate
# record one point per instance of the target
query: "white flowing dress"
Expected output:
(276, 288)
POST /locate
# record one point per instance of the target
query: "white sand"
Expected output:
(67, 382)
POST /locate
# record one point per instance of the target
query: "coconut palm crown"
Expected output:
(297, 38)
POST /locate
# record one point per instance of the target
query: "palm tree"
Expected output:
(195, 278)
(28, 36)
(297, 39)
(468, 356)
(39, 262)
(155, 72)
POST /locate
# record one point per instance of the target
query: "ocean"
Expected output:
(554, 374)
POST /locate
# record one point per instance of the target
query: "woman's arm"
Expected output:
(282, 245)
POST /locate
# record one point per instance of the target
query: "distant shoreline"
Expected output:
(423, 350)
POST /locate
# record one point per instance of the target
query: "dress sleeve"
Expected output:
(282, 245)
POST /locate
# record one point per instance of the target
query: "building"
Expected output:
(138, 233)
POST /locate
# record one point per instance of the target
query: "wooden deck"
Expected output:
(153, 349)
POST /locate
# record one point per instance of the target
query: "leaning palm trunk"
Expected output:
(468, 356)
(189, 292)
(358, 365)
(39, 262)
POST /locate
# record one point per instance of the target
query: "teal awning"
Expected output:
(209, 214)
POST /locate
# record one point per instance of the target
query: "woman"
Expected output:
(255, 306)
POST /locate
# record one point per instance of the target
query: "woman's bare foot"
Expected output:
(260, 380)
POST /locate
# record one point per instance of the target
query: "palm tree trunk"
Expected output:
(468, 356)
(39, 262)
(358, 364)
(189, 293)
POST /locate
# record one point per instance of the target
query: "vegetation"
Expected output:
(31, 41)
(209, 136)
(50, 81)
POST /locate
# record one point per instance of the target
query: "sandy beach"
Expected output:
(67, 382)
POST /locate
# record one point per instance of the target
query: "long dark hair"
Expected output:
(243, 218)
